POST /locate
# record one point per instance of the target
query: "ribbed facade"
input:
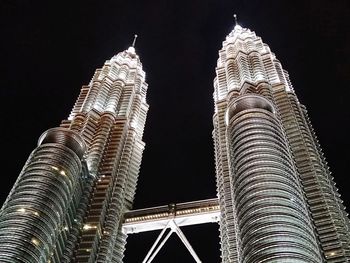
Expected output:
(38, 215)
(67, 205)
(278, 201)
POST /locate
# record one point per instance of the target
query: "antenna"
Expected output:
(235, 16)
(133, 43)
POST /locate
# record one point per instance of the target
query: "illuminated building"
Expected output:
(277, 198)
(68, 202)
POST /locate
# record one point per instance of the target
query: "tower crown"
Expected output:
(246, 61)
(131, 50)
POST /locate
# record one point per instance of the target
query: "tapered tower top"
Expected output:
(245, 60)
(128, 56)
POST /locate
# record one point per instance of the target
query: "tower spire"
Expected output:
(131, 49)
(235, 17)
(134, 42)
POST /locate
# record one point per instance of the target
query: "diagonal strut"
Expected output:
(172, 226)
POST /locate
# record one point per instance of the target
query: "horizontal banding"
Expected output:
(66, 137)
(250, 101)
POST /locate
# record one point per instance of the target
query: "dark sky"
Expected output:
(50, 48)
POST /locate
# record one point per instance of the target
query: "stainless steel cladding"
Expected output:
(40, 210)
(67, 204)
(277, 199)
(271, 216)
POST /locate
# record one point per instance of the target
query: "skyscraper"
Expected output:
(278, 200)
(68, 201)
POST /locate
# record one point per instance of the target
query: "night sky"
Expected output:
(49, 49)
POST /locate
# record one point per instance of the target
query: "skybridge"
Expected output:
(169, 219)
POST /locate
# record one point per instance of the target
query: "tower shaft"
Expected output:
(111, 119)
(277, 198)
(69, 201)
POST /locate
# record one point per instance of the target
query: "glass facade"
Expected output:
(68, 203)
(277, 198)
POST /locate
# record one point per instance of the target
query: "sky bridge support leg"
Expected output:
(156, 248)
(187, 244)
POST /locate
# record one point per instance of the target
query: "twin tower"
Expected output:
(276, 199)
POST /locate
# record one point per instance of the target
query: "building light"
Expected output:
(88, 227)
(21, 210)
(35, 241)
